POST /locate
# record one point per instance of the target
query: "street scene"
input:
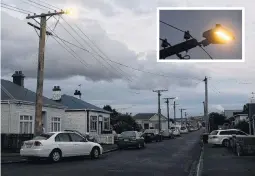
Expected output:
(82, 92)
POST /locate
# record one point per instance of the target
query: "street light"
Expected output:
(217, 35)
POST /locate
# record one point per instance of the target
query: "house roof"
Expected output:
(74, 103)
(12, 91)
(143, 116)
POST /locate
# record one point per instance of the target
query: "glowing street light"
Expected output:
(217, 35)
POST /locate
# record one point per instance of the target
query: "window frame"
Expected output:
(58, 122)
(108, 122)
(30, 120)
(64, 134)
(95, 126)
(70, 135)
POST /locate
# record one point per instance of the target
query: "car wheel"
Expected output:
(55, 155)
(95, 153)
(225, 143)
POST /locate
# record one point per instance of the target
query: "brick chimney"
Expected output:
(18, 78)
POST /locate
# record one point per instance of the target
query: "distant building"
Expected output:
(230, 113)
(150, 120)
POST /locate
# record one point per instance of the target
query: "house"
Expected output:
(18, 108)
(230, 113)
(150, 120)
(82, 116)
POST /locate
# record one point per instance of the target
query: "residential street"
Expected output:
(170, 157)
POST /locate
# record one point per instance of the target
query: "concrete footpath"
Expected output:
(221, 162)
(9, 158)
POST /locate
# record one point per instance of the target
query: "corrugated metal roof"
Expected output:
(10, 91)
(143, 116)
(74, 103)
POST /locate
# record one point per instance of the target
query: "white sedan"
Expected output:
(55, 145)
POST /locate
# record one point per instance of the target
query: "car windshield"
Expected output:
(43, 136)
(128, 134)
(183, 128)
(150, 131)
(214, 132)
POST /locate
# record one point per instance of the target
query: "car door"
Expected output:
(65, 144)
(79, 143)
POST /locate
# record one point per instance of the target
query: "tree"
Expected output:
(121, 122)
(243, 125)
(216, 119)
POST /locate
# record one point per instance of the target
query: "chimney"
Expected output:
(56, 93)
(18, 78)
(77, 94)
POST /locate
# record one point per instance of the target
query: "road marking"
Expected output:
(200, 163)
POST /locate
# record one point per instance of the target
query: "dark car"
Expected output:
(130, 139)
(151, 135)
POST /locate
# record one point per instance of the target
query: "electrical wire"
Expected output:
(95, 51)
(50, 4)
(40, 4)
(13, 9)
(34, 5)
(189, 34)
(16, 8)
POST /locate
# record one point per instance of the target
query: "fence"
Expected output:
(13, 142)
(242, 145)
(104, 138)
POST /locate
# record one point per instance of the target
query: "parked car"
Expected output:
(131, 139)
(221, 137)
(167, 134)
(56, 145)
(151, 135)
(183, 130)
(87, 135)
(176, 131)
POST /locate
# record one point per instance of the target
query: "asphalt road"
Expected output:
(171, 157)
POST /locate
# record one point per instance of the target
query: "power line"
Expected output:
(13, 10)
(171, 26)
(189, 35)
(40, 4)
(34, 5)
(50, 4)
(16, 8)
(94, 50)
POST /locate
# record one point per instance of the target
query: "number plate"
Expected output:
(125, 140)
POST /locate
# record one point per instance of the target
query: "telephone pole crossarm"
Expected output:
(45, 14)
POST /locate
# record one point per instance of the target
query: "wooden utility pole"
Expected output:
(181, 114)
(40, 69)
(207, 123)
(167, 103)
(159, 110)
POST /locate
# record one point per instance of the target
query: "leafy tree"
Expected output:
(216, 119)
(243, 125)
(121, 122)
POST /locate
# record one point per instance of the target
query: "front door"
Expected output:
(65, 144)
(79, 144)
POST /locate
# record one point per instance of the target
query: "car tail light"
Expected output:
(37, 143)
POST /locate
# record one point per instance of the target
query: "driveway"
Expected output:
(171, 157)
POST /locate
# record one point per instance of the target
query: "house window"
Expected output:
(93, 123)
(55, 124)
(26, 124)
(106, 123)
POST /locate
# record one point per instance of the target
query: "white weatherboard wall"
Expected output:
(10, 116)
(75, 120)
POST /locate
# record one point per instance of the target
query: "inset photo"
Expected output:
(200, 34)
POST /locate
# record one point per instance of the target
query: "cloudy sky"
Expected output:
(199, 21)
(125, 31)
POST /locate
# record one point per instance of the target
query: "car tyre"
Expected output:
(95, 153)
(55, 155)
(225, 143)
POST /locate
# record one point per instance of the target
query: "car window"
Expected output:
(76, 137)
(240, 133)
(43, 136)
(62, 137)
(226, 132)
(214, 132)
